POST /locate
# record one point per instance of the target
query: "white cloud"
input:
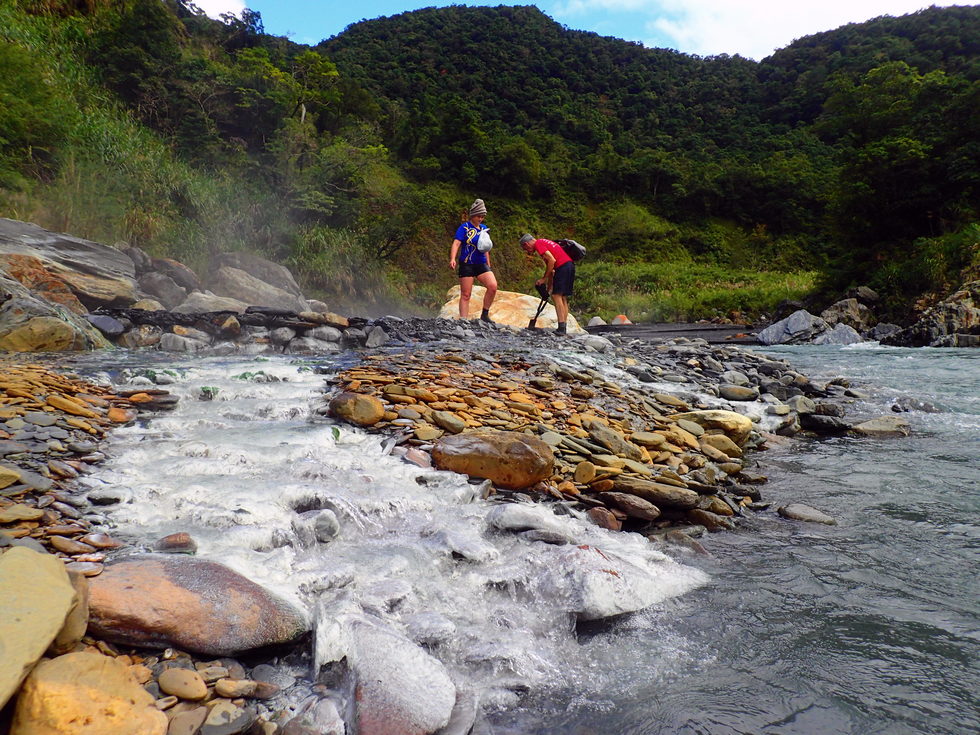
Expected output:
(752, 28)
(215, 8)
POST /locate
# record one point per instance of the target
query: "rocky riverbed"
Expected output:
(656, 440)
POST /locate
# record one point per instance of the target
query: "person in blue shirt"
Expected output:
(472, 263)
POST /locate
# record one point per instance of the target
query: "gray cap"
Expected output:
(478, 207)
(527, 238)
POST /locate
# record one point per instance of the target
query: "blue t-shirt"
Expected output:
(467, 233)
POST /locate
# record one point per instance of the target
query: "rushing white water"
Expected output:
(248, 472)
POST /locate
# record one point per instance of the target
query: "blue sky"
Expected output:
(751, 28)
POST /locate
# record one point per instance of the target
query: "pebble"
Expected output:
(183, 683)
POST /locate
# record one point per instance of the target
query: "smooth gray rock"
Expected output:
(163, 288)
(801, 512)
(260, 268)
(594, 583)
(800, 326)
(842, 334)
(200, 302)
(399, 687)
(376, 337)
(237, 284)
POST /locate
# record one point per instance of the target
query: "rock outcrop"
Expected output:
(97, 274)
(954, 322)
(509, 308)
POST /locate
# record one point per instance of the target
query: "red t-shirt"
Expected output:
(561, 257)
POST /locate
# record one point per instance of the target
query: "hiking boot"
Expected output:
(488, 321)
(560, 330)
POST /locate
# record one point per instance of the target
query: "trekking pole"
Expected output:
(544, 294)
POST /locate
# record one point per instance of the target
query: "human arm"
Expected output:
(549, 272)
(453, 252)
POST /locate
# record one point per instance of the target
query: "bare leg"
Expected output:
(465, 291)
(489, 281)
(561, 307)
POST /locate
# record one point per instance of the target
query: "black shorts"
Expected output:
(472, 270)
(563, 279)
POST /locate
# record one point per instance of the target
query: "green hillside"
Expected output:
(700, 185)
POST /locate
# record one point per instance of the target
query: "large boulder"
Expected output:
(734, 425)
(194, 604)
(237, 284)
(265, 270)
(97, 274)
(841, 334)
(37, 597)
(799, 327)
(201, 302)
(850, 312)
(84, 694)
(181, 274)
(163, 288)
(509, 308)
(508, 459)
(41, 282)
(954, 322)
(32, 324)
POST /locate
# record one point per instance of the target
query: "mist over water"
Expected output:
(870, 626)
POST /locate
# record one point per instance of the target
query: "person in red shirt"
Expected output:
(559, 273)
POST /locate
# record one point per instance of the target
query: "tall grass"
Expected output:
(683, 290)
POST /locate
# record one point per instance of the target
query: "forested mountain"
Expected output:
(701, 185)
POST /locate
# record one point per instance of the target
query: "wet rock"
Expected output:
(631, 505)
(906, 403)
(738, 392)
(176, 543)
(722, 443)
(398, 687)
(183, 683)
(190, 603)
(657, 493)
(510, 460)
(735, 426)
(82, 694)
(357, 408)
(593, 583)
(821, 424)
(614, 441)
(227, 718)
(710, 520)
(109, 326)
(842, 334)
(521, 517)
(801, 512)
(883, 426)
(604, 518)
(37, 597)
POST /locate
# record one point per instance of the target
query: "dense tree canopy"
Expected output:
(853, 151)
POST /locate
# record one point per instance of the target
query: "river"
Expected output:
(870, 626)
